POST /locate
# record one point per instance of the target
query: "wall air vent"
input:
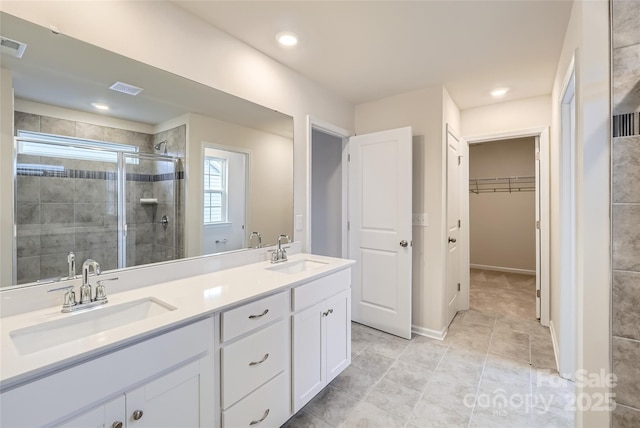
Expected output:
(12, 47)
(626, 125)
(125, 88)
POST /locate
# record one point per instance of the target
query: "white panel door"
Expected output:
(453, 225)
(380, 229)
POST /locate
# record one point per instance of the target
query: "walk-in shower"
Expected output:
(103, 201)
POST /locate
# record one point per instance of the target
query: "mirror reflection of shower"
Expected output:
(96, 199)
(159, 146)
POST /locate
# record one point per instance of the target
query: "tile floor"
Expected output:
(495, 368)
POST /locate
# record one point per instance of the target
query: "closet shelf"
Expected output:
(502, 184)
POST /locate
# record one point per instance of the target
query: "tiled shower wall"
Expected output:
(626, 211)
(76, 210)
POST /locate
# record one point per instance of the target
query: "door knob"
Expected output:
(452, 240)
(404, 243)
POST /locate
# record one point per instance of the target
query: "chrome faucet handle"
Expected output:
(69, 297)
(101, 292)
(275, 255)
(85, 293)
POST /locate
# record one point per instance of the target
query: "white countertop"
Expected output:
(194, 298)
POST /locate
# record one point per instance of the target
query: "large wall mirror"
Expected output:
(178, 170)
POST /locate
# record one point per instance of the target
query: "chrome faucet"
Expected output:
(85, 288)
(280, 253)
(259, 239)
(71, 260)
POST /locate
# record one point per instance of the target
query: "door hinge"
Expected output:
(458, 286)
(538, 224)
(538, 293)
(459, 160)
(537, 155)
(349, 158)
(459, 223)
(348, 225)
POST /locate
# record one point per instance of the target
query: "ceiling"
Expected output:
(367, 50)
(62, 71)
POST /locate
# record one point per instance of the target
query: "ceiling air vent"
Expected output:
(125, 88)
(12, 47)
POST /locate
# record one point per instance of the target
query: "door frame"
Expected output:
(543, 135)
(316, 124)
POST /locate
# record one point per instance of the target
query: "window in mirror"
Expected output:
(215, 190)
(39, 144)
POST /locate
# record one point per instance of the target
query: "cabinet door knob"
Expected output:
(116, 424)
(404, 243)
(137, 415)
(266, 413)
(252, 317)
(255, 363)
(452, 240)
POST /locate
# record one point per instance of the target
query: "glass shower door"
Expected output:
(149, 209)
(66, 201)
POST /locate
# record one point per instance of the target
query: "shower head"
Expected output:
(157, 146)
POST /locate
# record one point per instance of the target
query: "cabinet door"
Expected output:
(172, 400)
(308, 362)
(107, 415)
(337, 320)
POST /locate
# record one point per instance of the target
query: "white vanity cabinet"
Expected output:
(164, 381)
(254, 363)
(321, 334)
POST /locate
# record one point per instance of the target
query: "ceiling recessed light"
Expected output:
(100, 106)
(287, 38)
(497, 93)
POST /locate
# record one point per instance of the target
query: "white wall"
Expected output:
(6, 176)
(426, 111)
(204, 54)
(270, 208)
(587, 38)
(509, 116)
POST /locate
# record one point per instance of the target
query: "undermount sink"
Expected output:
(296, 266)
(75, 326)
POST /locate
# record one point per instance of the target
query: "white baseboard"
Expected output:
(554, 341)
(503, 269)
(427, 332)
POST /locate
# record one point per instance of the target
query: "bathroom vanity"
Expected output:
(245, 346)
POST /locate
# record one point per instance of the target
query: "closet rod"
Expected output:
(502, 184)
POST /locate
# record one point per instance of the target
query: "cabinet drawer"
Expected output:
(320, 289)
(266, 407)
(250, 362)
(252, 315)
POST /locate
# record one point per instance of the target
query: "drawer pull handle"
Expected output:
(253, 317)
(326, 314)
(255, 363)
(266, 413)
